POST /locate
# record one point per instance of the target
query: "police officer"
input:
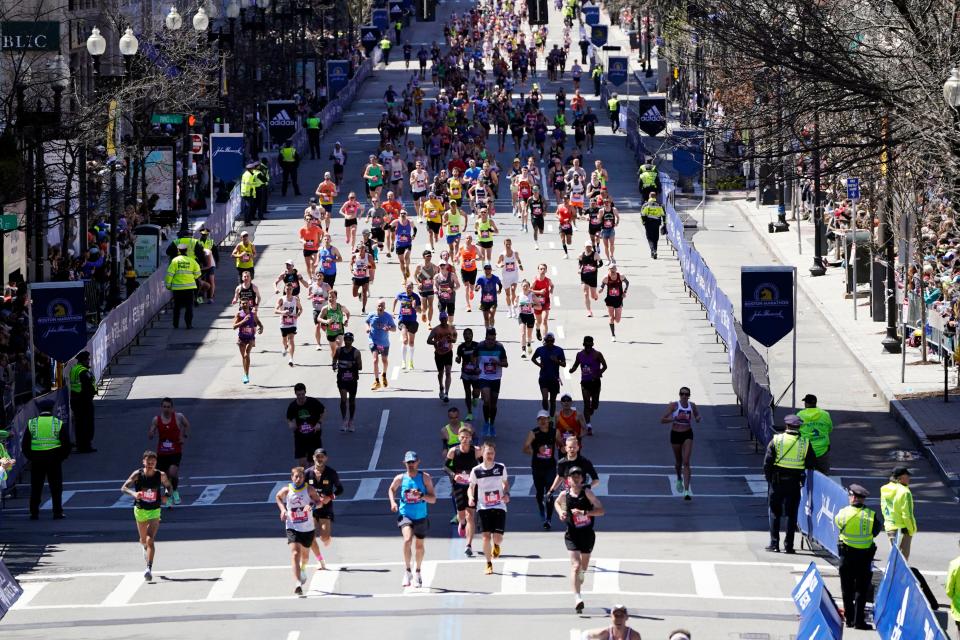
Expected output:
(263, 187)
(653, 218)
(896, 505)
(83, 389)
(313, 135)
(289, 162)
(597, 75)
(788, 454)
(613, 108)
(649, 179)
(817, 427)
(248, 192)
(181, 280)
(857, 526)
(385, 45)
(46, 443)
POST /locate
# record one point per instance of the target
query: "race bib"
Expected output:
(403, 238)
(445, 294)
(298, 514)
(586, 369)
(576, 198)
(412, 496)
(566, 227)
(148, 495)
(288, 319)
(309, 244)
(453, 229)
(608, 224)
(491, 498)
(485, 233)
(487, 297)
(306, 427)
(510, 266)
(166, 445)
(545, 452)
(461, 478)
(406, 309)
(327, 264)
(581, 520)
(346, 376)
(333, 326)
(490, 366)
(526, 308)
(615, 292)
(588, 268)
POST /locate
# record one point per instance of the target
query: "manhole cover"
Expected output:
(184, 346)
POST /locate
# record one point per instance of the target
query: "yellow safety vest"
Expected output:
(182, 274)
(791, 450)
(648, 178)
(75, 372)
(44, 433)
(385, 44)
(313, 123)
(817, 427)
(288, 154)
(613, 104)
(652, 210)
(855, 524)
(896, 504)
(248, 184)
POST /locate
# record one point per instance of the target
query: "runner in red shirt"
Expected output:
(565, 217)
(171, 429)
(542, 289)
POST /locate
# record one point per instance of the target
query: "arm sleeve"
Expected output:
(877, 524)
(951, 586)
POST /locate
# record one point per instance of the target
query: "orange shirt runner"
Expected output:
(311, 235)
(468, 258)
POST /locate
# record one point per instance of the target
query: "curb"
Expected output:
(897, 410)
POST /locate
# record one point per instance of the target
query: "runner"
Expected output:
(361, 266)
(290, 275)
(468, 269)
(454, 222)
(319, 293)
(246, 291)
(244, 254)
(405, 232)
(333, 317)
(595, 221)
(526, 303)
(609, 220)
(510, 268)
(589, 263)
(304, 418)
(565, 223)
(491, 359)
(543, 291)
(326, 192)
(468, 357)
(172, 429)
(328, 257)
(416, 492)
(295, 502)
(432, 210)
(571, 459)
(485, 228)
(143, 486)
(446, 284)
(248, 325)
(442, 337)
(680, 415)
(489, 483)
(350, 210)
(373, 176)
(410, 308)
(618, 629)
(339, 158)
(327, 483)
(347, 363)
(489, 286)
(289, 309)
(461, 458)
(391, 208)
(378, 225)
(578, 506)
(550, 359)
(616, 287)
(379, 325)
(541, 445)
(592, 366)
(556, 177)
(569, 423)
(536, 208)
(424, 275)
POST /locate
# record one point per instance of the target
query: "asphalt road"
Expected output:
(222, 562)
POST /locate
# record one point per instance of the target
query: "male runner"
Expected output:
(379, 325)
(489, 492)
(574, 459)
(326, 481)
(490, 286)
(491, 359)
(460, 460)
(550, 358)
(295, 502)
(347, 363)
(618, 629)
(304, 416)
(410, 307)
(442, 337)
(468, 357)
(592, 366)
(578, 506)
(416, 491)
(143, 486)
(171, 429)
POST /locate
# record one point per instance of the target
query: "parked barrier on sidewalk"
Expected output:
(820, 499)
(16, 427)
(901, 612)
(819, 616)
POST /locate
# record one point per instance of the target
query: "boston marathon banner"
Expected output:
(652, 118)
(59, 329)
(338, 75)
(226, 163)
(766, 295)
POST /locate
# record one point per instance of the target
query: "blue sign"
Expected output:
(338, 75)
(819, 617)
(380, 18)
(820, 500)
(591, 15)
(598, 35)
(59, 328)
(688, 150)
(10, 590)
(659, 41)
(227, 155)
(369, 37)
(766, 307)
(853, 189)
(396, 11)
(617, 69)
(900, 608)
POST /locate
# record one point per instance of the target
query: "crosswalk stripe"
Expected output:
(603, 487)
(125, 590)
(606, 576)
(428, 571)
(125, 501)
(227, 584)
(272, 496)
(324, 582)
(705, 579)
(521, 485)
(514, 578)
(442, 487)
(758, 484)
(211, 493)
(30, 590)
(63, 500)
(368, 489)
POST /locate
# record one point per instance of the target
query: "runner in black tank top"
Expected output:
(577, 507)
(541, 444)
(461, 459)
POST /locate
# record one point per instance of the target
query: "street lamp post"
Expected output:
(818, 268)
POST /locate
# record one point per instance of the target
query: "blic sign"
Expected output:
(30, 36)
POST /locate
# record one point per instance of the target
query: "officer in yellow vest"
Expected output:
(613, 108)
(313, 135)
(597, 75)
(653, 217)
(857, 526)
(649, 178)
(385, 45)
(289, 162)
(896, 505)
(788, 456)
(83, 389)
(181, 280)
(248, 193)
(46, 444)
(817, 427)
(263, 187)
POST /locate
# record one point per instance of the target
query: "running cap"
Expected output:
(427, 252)
(793, 421)
(588, 243)
(566, 398)
(810, 398)
(549, 336)
(289, 262)
(857, 490)
(443, 315)
(618, 607)
(487, 266)
(348, 336)
(253, 165)
(245, 233)
(313, 201)
(411, 456)
(491, 331)
(679, 635)
(575, 470)
(543, 414)
(900, 471)
(319, 452)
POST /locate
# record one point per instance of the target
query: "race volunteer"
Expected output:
(788, 455)
(817, 427)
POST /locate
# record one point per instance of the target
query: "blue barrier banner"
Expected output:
(338, 75)
(227, 153)
(820, 500)
(901, 611)
(688, 152)
(10, 590)
(380, 18)
(819, 617)
(598, 35)
(369, 37)
(617, 70)
(59, 329)
(591, 15)
(766, 307)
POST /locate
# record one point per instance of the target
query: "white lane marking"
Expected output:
(757, 484)
(553, 270)
(125, 501)
(566, 374)
(368, 489)
(577, 634)
(378, 446)
(556, 300)
(552, 244)
(441, 487)
(559, 331)
(30, 590)
(705, 579)
(272, 496)
(549, 230)
(428, 571)
(522, 485)
(603, 487)
(514, 578)
(293, 635)
(228, 583)
(672, 482)
(324, 582)
(606, 576)
(46, 506)
(395, 373)
(211, 493)
(121, 594)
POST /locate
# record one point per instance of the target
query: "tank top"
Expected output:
(288, 313)
(454, 224)
(149, 488)
(589, 365)
(462, 463)
(568, 424)
(445, 287)
(404, 234)
(615, 288)
(299, 508)
(682, 417)
(425, 277)
(582, 502)
(412, 490)
(455, 188)
(248, 328)
(328, 262)
(453, 437)
(361, 266)
(544, 447)
(468, 258)
(335, 317)
(318, 295)
(608, 219)
(346, 364)
(247, 293)
(339, 157)
(376, 174)
(536, 206)
(292, 277)
(509, 266)
(525, 302)
(168, 435)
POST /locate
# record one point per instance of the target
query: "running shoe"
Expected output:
(403, 365)
(176, 496)
(679, 485)
(303, 575)
(284, 354)
(410, 364)
(688, 495)
(496, 551)
(539, 336)
(323, 565)
(148, 575)
(589, 314)
(613, 338)
(343, 428)
(298, 590)
(446, 398)
(589, 430)
(376, 384)
(245, 379)
(454, 519)
(462, 530)
(579, 606)
(546, 525)
(441, 395)
(407, 578)
(418, 581)
(489, 570)
(493, 431)
(383, 380)
(523, 353)
(469, 417)
(468, 551)
(350, 426)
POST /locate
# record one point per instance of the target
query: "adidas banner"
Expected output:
(281, 121)
(653, 115)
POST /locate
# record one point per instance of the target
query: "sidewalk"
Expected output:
(917, 402)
